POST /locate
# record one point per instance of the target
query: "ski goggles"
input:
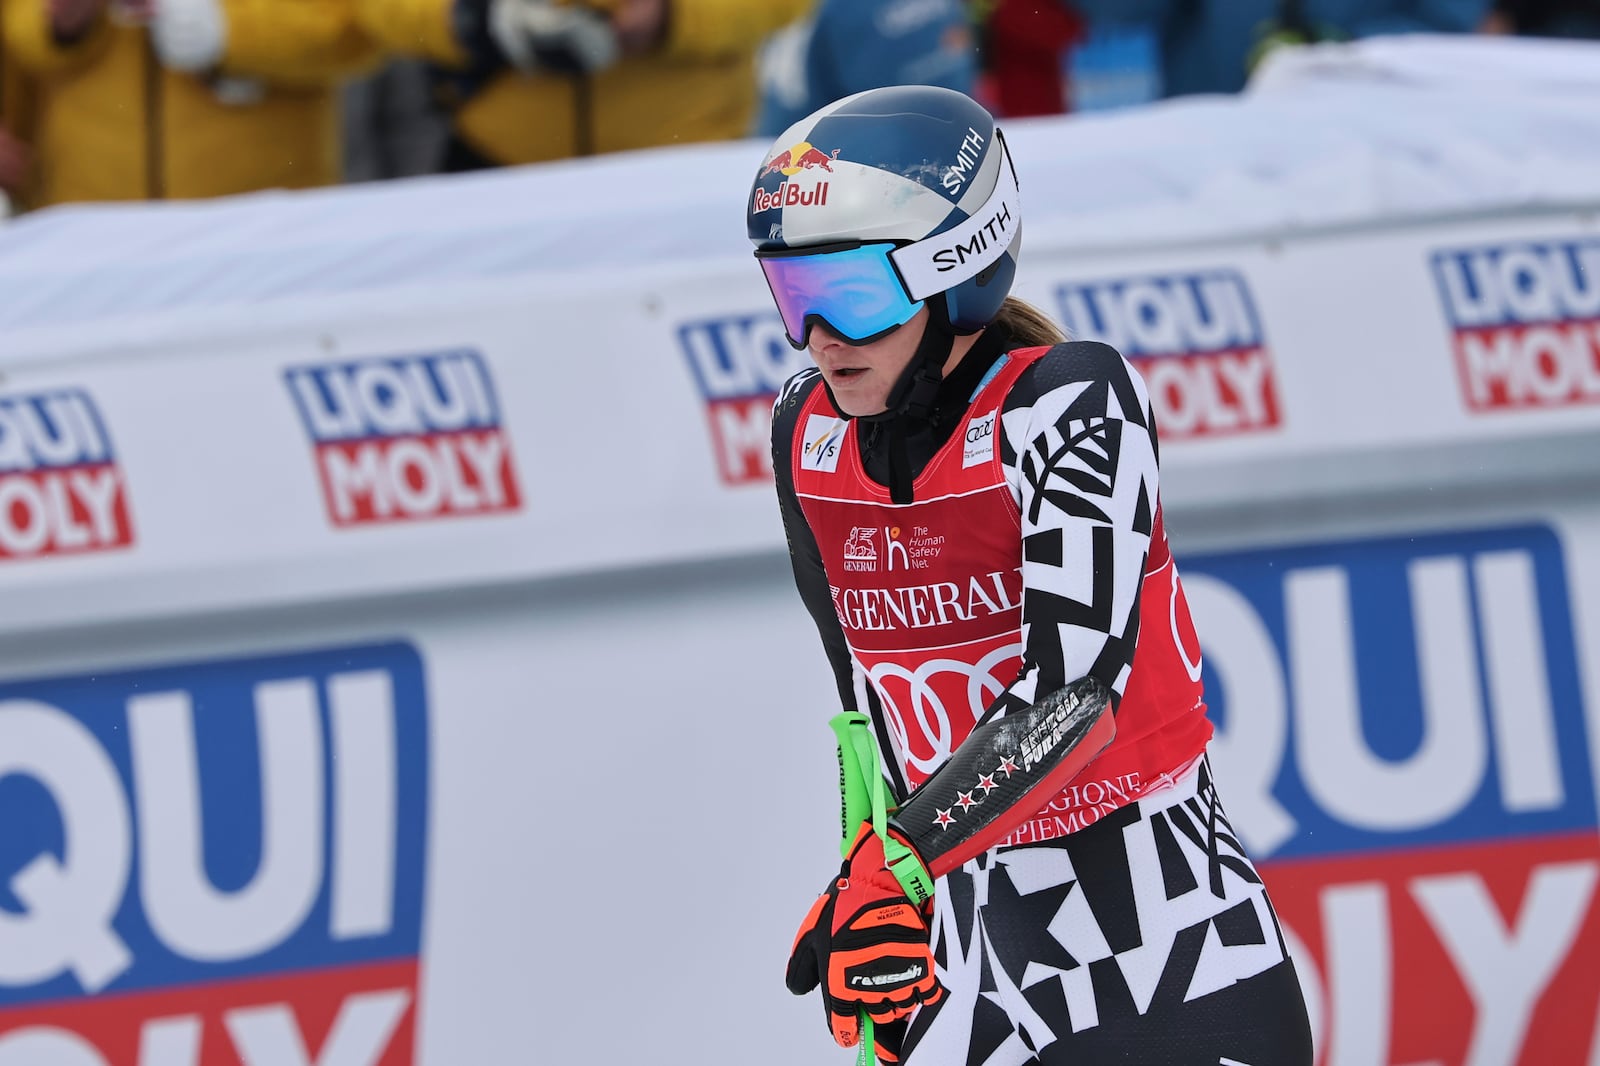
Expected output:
(852, 288)
(864, 290)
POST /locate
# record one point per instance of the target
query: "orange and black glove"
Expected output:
(866, 944)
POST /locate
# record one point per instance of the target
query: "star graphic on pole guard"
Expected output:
(964, 800)
(986, 782)
(1007, 767)
(943, 820)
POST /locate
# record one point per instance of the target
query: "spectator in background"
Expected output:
(16, 160)
(848, 46)
(146, 99)
(394, 126)
(1545, 18)
(1043, 57)
(1210, 46)
(536, 80)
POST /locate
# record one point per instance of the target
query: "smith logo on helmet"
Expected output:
(992, 231)
(966, 162)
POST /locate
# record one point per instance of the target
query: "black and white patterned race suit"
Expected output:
(1121, 921)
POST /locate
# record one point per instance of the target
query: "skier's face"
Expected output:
(861, 376)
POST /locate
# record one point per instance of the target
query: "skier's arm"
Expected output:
(805, 558)
(1078, 441)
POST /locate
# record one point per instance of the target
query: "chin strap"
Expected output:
(912, 399)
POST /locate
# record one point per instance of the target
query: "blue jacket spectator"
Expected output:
(847, 46)
(1207, 44)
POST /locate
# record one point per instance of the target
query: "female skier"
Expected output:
(973, 517)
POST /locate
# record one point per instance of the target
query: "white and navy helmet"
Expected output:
(920, 169)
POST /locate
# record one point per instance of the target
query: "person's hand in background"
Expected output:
(72, 18)
(15, 160)
(189, 35)
(640, 25)
(564, 38)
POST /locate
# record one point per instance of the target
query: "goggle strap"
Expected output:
(945, 260)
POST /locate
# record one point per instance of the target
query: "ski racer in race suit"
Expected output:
(975, 526)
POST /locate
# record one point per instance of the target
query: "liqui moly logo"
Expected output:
(215, 863)
(61, 489)
(1526, 322)
(407, 438)
(1196, 340)
(1403, 746)
(739, 364)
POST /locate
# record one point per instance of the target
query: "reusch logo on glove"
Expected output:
(866, 980)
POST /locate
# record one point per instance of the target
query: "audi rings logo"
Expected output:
(978, 447)
(931, 708)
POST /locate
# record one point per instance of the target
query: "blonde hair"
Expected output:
(1027, 325)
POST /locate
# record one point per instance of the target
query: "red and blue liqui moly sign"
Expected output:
(214, 864)
(1526, 321)
(406, 438)
(1403, 746)
(739, 364)
(62, 491)
(1196, 340)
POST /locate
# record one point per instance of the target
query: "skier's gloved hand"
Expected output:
(866, 944)
(550, 36)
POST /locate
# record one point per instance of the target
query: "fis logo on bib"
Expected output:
(61, 489)
(823, 438)
(1526, 322)
(215, 862)
(1196, 340)
(739, 365)
(406, 438)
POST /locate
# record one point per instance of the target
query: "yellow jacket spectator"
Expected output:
(548, 79)
(148, 99)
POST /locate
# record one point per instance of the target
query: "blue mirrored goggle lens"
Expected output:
(855, 292)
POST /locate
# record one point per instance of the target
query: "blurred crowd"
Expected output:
(154, 99)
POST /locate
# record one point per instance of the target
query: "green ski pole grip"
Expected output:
(855, 809)
(855, 798)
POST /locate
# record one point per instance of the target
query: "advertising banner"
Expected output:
(215, 863)
(1403, 745)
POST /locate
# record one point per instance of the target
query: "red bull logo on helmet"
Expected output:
(791, 194)
(802, 156)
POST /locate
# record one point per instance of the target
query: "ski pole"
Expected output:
(855, 810)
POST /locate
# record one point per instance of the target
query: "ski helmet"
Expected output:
(882, 202)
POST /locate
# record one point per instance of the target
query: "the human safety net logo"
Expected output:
(1194, 337)
(739, 364)
(1402, 745)
(1526, 322)
(61, 489)
(406, 438)
(214, 864)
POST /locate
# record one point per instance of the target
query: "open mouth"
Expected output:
(848, 372)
